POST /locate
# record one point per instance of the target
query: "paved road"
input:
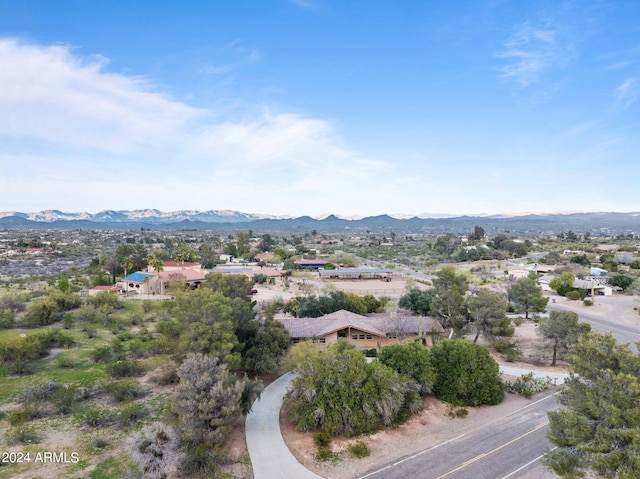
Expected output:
(508, 448)
(270, 456)
(617, 316)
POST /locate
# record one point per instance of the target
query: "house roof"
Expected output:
(138, 277)
(106, 288)
(182, 275)
(380, 325)
(185, 264)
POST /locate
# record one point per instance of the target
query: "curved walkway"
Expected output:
(270, 456)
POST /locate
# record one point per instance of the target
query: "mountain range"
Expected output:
(599, 223)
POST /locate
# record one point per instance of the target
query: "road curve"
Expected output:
(270, 456)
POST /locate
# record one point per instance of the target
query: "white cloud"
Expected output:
(530, 51)
(626, 93)
(75, 130)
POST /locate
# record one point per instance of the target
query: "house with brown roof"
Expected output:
(364, 332)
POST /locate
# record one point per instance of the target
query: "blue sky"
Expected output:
(294, 107)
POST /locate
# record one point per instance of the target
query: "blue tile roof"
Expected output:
(138, 277)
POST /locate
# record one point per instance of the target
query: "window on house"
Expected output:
(342, 334)
(362, 336)
(354, 336)
(369, 336)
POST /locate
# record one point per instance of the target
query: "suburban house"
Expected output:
(593, 287)
(154, 282)
(365, 332)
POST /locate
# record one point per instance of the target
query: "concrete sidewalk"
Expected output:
(270, 456)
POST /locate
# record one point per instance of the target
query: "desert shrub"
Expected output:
(22, 434)
(457, 412)
(38, 392)
(131, 414)
(125, 369)
(94, 416)
(587, 302)
(106, 300)
(86, 313)
(7, 318)
(138, 348)
(25, 413)
(573, 295)
(168, 375)
(160, 345)
(99, 442)
(125, 390)
(91, 332)
(359, 449)
(324, 454)
(64, 397)
(528, 385)
(102, 354)
(200, 461)
(65, 361)
(510, 350)
(26, 348)
(322, 439)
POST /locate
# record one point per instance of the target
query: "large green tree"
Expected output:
(597, 432)
(208, 321)
(417, 301)
(339, 392)
(561, 329)
(411, 359)
(466, 373)
(448, 303)
(527, 296)
(563, 284)
(487, 310)
(621, 281)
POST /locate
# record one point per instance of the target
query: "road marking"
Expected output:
(527, 464)
(532, 404)
(485, 454)
(408, 458)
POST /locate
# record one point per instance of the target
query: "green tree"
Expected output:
(410, 359)
(207, 324)
(597, 432)
(621, 281)
(185, 253)
(337, 391)
(207, 401)
(265, 345)
(417, 301)
(229, 285)
(563, 284)
(561, 329)
(488, 315)
(466, 373)
(242, 245)
(448, 303)
(527, 296)
(581, 259)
